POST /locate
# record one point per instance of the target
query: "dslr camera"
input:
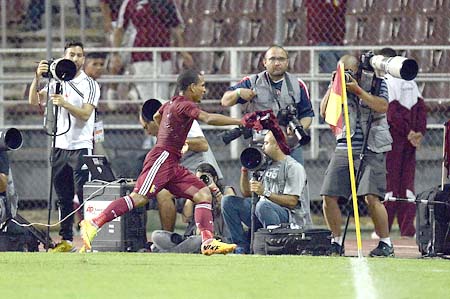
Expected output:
(235, 133)
(287, 117)
(373, 67)
(61, 69)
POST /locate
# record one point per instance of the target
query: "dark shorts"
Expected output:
(337, 175)
(161, 170)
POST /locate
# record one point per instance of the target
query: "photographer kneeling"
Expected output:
(166, 241)
(280, 194)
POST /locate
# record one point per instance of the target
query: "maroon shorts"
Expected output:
(161, 170)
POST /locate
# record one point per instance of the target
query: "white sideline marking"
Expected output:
(362, 280)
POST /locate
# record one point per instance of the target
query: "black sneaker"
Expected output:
(382, 250)
(336, 249)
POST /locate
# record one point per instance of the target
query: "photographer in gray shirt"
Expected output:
(280, 194)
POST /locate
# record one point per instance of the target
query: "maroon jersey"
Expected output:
(325, 22)
(177, 117)
(153, 21)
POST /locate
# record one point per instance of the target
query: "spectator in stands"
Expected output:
(271, 89)
(325, 26)
(167, 241)
(372, 185)
(162, 169)
(281, 198)
(407, 118)
(158, 24)
(110, 12)
(75, 128)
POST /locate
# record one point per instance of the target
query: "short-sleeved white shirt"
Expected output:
(82, 89)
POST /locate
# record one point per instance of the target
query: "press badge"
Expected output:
(99, 132)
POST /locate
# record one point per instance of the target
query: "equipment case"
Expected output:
(125, 233)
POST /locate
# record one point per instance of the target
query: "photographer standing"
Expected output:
(274, 89)
(75, 129)
(372, 185)
(280, 194)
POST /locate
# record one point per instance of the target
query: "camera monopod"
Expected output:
(358, 175)
(50, 124)
(255, 199)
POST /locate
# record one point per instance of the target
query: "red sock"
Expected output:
(115, 209)
(204, 220)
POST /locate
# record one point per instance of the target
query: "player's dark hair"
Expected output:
(96, 55)
(149, 109)
(388, 52)
(186, 78)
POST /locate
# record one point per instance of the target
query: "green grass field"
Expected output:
(128, 275)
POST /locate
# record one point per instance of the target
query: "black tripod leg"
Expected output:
(39, 234)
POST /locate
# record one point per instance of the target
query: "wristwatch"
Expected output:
(267, 194)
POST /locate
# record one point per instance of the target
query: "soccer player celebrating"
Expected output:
(161, 169)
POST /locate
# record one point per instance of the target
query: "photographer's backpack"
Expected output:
(282, 240)
(440, 215)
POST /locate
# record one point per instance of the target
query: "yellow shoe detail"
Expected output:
(216, 247)
(88, 232)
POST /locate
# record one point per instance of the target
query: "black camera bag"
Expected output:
(281, 240)
(17, 238)
(441, 220)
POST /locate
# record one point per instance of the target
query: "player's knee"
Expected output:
(138, 199)
(203, 195)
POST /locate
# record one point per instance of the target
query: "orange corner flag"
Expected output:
(333, 111)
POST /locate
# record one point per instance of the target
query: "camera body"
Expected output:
(235, 133)
(287, 117)
(61, 69)
(205, 179)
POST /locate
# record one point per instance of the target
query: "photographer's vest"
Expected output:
(380, 139)
(268, 98)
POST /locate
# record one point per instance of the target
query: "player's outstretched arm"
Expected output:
(217, 119)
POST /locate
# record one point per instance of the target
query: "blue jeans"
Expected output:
(237, 210)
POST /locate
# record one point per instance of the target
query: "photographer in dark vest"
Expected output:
(274, 89)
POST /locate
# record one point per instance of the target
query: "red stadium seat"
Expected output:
(354, 30)
(441, 60)
(436, 90)
(294, 32)
(377, 7)
(356, 6)
(292, 6)
(386, 30)
(427, 6)
(424, 59)
(299, 62)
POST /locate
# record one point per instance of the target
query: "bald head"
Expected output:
(350, 62)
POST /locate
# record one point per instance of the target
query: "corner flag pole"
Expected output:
(350, 163)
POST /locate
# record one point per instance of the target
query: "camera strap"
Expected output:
(290, 88)
(273, 90)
